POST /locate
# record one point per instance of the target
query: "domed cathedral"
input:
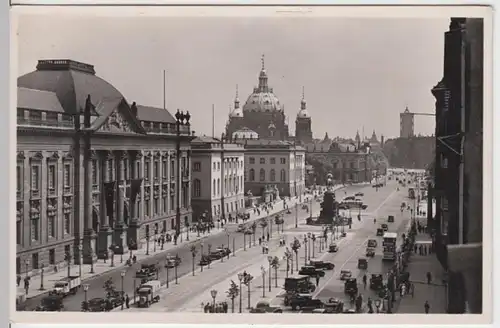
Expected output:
(303, 129)
(262, 112)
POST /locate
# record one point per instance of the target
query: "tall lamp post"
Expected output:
(122, 275)
(147, 242)
(213, 293)
(228, 237)
(175, 268)
(270, 260)
(80, 258)
(85, 290)
(209, 252)
(180, 117)
(240, 278)
(194, 251)
(67, 257)
(247, 280)
(41, 277)
(305, 249)
(263, 270)
(92, 262)
(201, 256)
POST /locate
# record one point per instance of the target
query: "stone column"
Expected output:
(120, 231)
(105, 230)
(89, 236)
(134, 226)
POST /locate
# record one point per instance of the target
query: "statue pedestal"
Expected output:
(89, 246)
(120, 239)
(105, 241)
(133, 235)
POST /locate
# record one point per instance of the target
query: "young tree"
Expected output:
(263, 225)
(232, 293)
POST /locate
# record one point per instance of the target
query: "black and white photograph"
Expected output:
(277, 164)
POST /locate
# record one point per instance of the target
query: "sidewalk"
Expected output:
(101, 267)
(434, 293)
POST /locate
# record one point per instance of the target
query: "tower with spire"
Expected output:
(358, 139)
(303, 124)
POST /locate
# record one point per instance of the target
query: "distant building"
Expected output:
(93, 170)
(262, 112)
(218, 178)
(274, 163)
(245, 133)
(407, 124)
(303, 128)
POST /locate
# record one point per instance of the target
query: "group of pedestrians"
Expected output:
(221, 307)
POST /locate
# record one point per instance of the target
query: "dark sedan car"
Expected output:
(322, 265)
(311, 271)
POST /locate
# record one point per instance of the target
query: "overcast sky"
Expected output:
(357, 72)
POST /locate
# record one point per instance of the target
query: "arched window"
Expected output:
(282, 175)
(214, 188)
(273, 175)
(262, 175)
(218, 186)
(252, 175)
(196, 188)
(225, 185)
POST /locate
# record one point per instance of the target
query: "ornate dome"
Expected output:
(303, 113)
(262, 99)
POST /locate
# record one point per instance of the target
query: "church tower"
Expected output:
(303, 129)
(358, 139)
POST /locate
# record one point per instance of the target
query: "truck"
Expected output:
(66, 286)
(146, 293)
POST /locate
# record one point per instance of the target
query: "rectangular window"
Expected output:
(67, 223)
(19, 232)
(218, 166)
(273, 160)
(34, 229)
(94, 172)
(146, 170)
(165, 204)
(172, 169)
(35, 177)
(51, 176)
(172, 201)
(52, 256)
(110, 170)
(19, 178)
(125, 169)
(51, 226)
(156, 170)
(197, 167)
(137, 169)
(146, 207)
(262, 160)
(283, 160)
(215, 166)
(251, 160)
(156, 204)
(164, 169)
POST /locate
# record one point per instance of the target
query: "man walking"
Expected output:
(364, 280)
(127, 301)
(429, 277)
(317, 280)
(427, 307)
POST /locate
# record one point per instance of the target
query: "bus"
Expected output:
(389, 246)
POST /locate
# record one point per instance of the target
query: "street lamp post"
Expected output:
(85, 290)
(234, 248)
(270, 260)
(263, 270)
(305, 249)
(209, 252)
(167, 268)
(68, 261)
(213, 293)
(175, 269)
(248, 280)
(92, 262)
(80, 249)
(41, 277)
(313, 244)
(193, 253)
(154, 239)
(201, 256)
(228, 236)
(147, 242)
(180, 119)
(240, 278)
(296, 215)
(122, 275)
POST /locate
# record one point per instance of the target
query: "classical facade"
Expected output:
(218, 178)
(262, 112)
(274, 163)
(93, 171)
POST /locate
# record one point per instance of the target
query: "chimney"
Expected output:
(133, 109)
(86, 113)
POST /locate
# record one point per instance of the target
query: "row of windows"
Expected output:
(230, 207)
(228, 164)
(231, 185)
(262, 175)
(262, 160)
(35, 228)
(35, 177)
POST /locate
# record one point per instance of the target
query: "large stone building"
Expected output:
(218, 178)
(274, 163)
(93, 170)
(262, 112)
(458, 185)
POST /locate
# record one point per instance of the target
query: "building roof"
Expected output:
(265, 143)
(38, 99)
(205, 139)
(154, 114)
(71, 81)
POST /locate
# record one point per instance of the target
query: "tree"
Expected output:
(232, 293)
(254, 227)
(263, 225)
(295, 249)
(109, 287)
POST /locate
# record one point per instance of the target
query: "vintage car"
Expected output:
(96, 305)
(172, 261)
(384, 227)
(380, 232)
(362, 264)
(241, 228)
(390, 218)
(308, 270)
(248, 231)
(265, 307)
(305, 304)
(370, 252)
(205, 260)
(224, 251)
(376, 281)
(351, 286)
(372, 243)
(359, 194)
(147, 271)
(322, 265)
(345, 274)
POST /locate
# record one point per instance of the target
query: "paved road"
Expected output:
(73, 302)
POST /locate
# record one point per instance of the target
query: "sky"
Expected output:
(358, 73)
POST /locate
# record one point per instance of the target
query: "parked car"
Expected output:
(305, 304)
(351, 286)
(376, 281)
(345, 274)
(372, 243)
(370, 252)
(308, 270)
(172, 261)
(384, 227)
(241, 228)
(322, 265)
(333, 248)
(265, 307)
(205, 260)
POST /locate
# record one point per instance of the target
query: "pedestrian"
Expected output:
(268, 236)
(317, 280)
(127, 301)
(412, 290)
(27, 284)
(403, 290)
(415, 248)
(429, 277)
(427, 307)
(260, 241)
(420, 249)
(370, 305)
(364, 280)
(18, 280)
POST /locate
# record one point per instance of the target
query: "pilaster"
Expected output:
(105, 231)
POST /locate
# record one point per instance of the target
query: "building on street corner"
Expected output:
(458, 180)
(218, 178)
(274, 163)
(93, 170)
